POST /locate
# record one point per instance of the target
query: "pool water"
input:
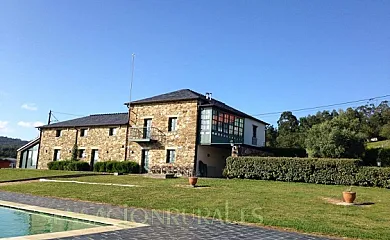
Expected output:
(14, 223)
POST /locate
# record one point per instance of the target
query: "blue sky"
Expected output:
(74, 56)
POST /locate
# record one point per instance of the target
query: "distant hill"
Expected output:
(8, 146)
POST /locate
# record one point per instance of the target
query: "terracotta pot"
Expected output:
(349, 197)
(193, 181)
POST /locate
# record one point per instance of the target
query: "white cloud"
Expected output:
(30, 106)
(30, 124)
(4, 126)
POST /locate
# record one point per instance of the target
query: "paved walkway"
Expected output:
(162, 225)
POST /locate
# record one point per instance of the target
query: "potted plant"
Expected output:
(349, 196)
(192, 178)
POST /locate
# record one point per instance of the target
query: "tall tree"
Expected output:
(271, 133)
(288, 129)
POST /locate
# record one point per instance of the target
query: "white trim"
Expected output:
(29, 143)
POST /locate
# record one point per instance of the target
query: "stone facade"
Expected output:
(183, 140)
(109, 147)
(18, 156)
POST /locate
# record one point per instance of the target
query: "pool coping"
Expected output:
(114, 224)
(53, 176)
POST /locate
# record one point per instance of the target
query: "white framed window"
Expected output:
(172, 124)
(58, 133)
(171, 155)
(112, 131)
(57, 155)
(84, 132)
(81, 153)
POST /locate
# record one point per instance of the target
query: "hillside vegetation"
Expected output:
(379, 144)
(8, 146)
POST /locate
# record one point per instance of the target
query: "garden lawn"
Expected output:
(297, 206)
(9, 174)
(380, 144)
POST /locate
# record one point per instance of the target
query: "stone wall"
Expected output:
(183, 140)
(18, 156)
(109, 147)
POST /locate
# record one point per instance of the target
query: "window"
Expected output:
(58, 133)
(81, 153)
(227, 125)
(83, 132)
(254, 131)
(172, 124)
(57, 154)
(112, 132)
(171, 155)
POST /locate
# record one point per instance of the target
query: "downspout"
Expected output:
(39, 147)
(76, 140)
(127, 134)
(197, 136)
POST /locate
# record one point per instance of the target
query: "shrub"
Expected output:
(309, 170)
(69, 165)
(373, 177)
(285, 152)
(116, 166)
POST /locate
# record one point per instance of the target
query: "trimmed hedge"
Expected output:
(285, 152)
(69, 165)
(116, 166)
(373, 177)
(309, 170)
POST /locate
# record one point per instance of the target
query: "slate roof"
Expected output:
(188, 94)
(109, 119)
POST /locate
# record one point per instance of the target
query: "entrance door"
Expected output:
(147, 127)
(94, 157)
(145, 161)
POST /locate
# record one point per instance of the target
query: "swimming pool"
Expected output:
(14, 223)
(21, 221)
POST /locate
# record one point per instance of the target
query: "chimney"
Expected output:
(208, 95)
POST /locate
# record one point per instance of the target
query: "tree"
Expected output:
(334, 139)
(385, 131)
(74, 152)
(288, 122)
(288, 129)
(271, 134)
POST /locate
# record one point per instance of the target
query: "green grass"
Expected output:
(8, 174)
(384, 144)
(297, 206)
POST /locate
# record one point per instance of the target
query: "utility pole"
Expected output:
(49, 120)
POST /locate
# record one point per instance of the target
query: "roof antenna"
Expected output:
(132, 76)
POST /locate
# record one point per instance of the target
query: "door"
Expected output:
(147, 128)
(145, 161)
(94, 157)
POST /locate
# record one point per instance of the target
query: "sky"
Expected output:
(258, 56)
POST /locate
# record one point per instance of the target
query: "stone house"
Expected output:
(180, 130)
(98, 137)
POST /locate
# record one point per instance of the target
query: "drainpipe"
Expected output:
(197, 136)
(127, 134)
(39, 147)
